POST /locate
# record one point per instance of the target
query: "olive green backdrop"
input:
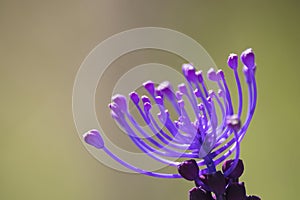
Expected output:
(42, 44)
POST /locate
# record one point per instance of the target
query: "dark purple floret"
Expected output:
(189, 170)
(215, 181)
(236, 191)
(237, 171)
(197, 193)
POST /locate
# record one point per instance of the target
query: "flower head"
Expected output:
(203, 135)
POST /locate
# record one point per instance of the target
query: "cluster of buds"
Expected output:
(215, 185)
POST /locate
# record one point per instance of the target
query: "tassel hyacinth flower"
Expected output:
(203, 139)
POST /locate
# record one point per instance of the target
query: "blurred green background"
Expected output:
(42, 44)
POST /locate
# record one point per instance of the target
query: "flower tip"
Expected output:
(233, 122)
(236, 191)
(163, 87)
(232, 61)
(150, 87)
(134, 97)
(94, 138)
(147, 107)
(199, 76)
(189, 72)
(182, 88)
(120, 100)
(145, 99)
(159, 100)
(248, 58)
(212, 75)
(237, 171)
(189, 170)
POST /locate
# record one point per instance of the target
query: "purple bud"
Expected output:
(159, 100)
(147, 107)
(237, 172)
(182, 88)
(164, 88)
(134, 97)
(199, 75)
(233, 61)
(120, 100)
(145, 99)
(150, 87)
(233, 122)
(212, 75)
(252, 197)
(220, 73)
(197, 193)
(236, 191)
(215, 181)
(248, 58)
(93, 138)
(189, 72)
(115, 108)
(189, 170)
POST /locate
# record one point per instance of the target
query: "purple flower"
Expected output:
(202, 136)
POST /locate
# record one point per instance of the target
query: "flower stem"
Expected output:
(211, 167)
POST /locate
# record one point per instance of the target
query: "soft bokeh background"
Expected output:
(42, 44)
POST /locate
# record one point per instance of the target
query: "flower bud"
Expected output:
(93, 138)
(248, 58)
(236, 191)
(215, 181)
(232, 61)
(189, 170)
(237, 172)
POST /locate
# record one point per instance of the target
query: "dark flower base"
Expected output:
(215, 186)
